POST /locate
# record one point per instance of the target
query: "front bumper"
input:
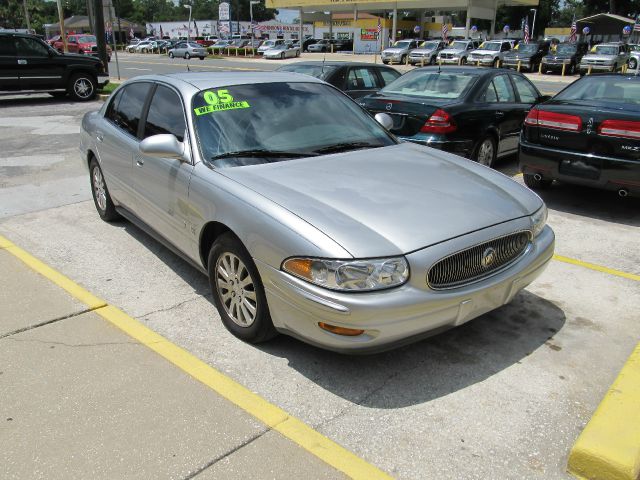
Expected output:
(449, 61)
(596, 68)
(555, 65)
(405, 314)
(606, 173)
(524, 64)
(482, 61)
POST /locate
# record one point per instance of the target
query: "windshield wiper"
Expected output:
(343, 147)
(263, 153)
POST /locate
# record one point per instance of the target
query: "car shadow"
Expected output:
(434, 367)
(591, 202)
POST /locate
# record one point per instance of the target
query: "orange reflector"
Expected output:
(299, 266)
(348, 332)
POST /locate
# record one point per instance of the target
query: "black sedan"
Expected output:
(588, 134)
(355, 79)
(473, 112)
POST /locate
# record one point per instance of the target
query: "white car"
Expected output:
(142, 46)
(399, 52)
(458, 52)
(286, 50)
(490, 52)
(269, 44)
(634, 58)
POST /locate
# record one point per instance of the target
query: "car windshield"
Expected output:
(429, 45)
(493, 46)
(566, 49)
(280, 47)
(284, 120)
(603, 89)
(605, 50)
(401, 44)
(432, 84)
(195, 45)
(530, 48)
(458, 45)
(87, 39)
(269, 43)
(318, 71)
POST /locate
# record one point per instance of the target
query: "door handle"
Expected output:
(22, 62)
(99, 137)
(139, 162)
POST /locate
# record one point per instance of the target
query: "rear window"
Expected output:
(432, 84)
(605, 89)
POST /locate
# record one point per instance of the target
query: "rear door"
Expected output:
(507, 112)
(37, 69)
(527, 95)
(362, 81)
(9, 76)
(161, 185)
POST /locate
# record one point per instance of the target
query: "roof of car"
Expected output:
(204, 80)
(338, 63)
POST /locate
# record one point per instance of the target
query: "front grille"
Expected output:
(471, 265)
(446, 55)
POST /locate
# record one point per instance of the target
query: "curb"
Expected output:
(609, 446)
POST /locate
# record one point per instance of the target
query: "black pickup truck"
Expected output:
(28, 65)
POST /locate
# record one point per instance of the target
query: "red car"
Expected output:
(80, 43)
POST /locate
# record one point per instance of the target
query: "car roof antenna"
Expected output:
(324, 58)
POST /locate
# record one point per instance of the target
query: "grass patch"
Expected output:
(109, 88)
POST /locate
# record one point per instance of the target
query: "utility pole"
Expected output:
(63, 34)
(101, 41)
(26, 15)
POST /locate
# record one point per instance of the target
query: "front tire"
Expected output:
(82, 87)
(101, 198)
(187, 56)
(485, 153)
(170, 54)
(238, 292)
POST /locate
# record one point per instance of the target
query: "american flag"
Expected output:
(636, 26)
(196, 27)
(224, 28)
(131, 32)
(379, 28)
(526, 32)
(161, 32)
(573, 33)
(445, 31)
(259, 27)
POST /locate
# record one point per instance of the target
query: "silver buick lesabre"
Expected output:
(307, 215)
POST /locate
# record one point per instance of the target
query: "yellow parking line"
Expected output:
(609, 446)
(276, 418)
(598, 268)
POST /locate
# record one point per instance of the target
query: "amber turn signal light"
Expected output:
(348, 332)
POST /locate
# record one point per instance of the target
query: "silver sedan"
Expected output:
(307, 215)
(288, 50)
(188, 50)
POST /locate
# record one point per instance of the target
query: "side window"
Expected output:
(490, 95)
(7, 47)
(128, 110)
(388, 75)
(113, 106)
(504, 89)
(165, 114)
(28, 47)
(505, 47)
(526, 91)
(360, 78)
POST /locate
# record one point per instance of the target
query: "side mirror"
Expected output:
(163, 145)
(385, 120)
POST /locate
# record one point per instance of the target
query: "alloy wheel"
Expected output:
(236, 289)
(485, 153)
(83, 88)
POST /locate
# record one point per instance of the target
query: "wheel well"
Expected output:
(90, 155)
(210, 234)
(83, 71)
(488, 133)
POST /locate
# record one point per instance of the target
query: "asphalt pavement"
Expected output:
(132, 65)
(503, 396)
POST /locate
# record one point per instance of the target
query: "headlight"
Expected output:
(539, 220)
(350, 275)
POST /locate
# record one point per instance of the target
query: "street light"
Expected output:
(533, 25)
(251, 4)
(188, 24)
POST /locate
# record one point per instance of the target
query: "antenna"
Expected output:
(324, 58)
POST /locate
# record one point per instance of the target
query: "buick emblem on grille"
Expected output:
(488, 257)
(389, 106)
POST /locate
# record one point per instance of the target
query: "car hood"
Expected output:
(517, 55)
(423, 50)
(484, 52)
(597, 56)
(559, 56)
(394, 50)
(455, 51)
(392, 200)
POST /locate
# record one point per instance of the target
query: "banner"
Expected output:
(368, 34)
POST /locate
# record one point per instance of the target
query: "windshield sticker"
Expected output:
(219, 100)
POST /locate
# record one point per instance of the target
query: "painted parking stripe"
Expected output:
(295, 430)
(598, 268)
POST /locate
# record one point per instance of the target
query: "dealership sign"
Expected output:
(223, 12)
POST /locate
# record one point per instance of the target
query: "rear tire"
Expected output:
(238, 292)
(485, 153)
(101, 198)
(82, 87)
(187, 56)
(534, 184)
